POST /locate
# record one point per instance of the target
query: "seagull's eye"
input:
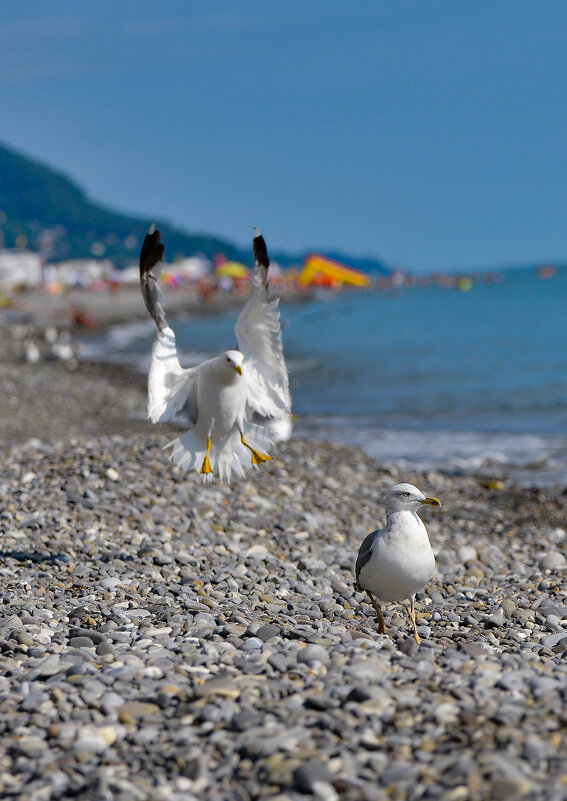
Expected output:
(406, 494)
(228, 358)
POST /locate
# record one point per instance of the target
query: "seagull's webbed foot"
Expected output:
(381, 624)
(412, 618)
(206, 466)
(257, 457)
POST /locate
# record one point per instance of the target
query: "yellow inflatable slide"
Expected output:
(321, 271)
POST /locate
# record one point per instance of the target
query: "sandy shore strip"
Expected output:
(107, 307)
(164, 640)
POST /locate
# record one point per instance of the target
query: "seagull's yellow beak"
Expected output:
(432, 501)
(238, 369)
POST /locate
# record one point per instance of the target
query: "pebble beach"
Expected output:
(169, 641)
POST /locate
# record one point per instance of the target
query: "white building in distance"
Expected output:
(78, 272)
(19, 268)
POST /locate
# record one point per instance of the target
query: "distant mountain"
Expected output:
(48, 212)
(42, 209)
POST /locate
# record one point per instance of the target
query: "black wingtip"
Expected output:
(260, 250)
(152, 250)
(150, 256)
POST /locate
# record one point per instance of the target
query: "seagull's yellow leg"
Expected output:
(257, 457)
(412, 617)
(206, 466)
(381, 625)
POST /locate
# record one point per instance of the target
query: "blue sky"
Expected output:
(429, 134)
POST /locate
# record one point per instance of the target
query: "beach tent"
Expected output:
(320, 271)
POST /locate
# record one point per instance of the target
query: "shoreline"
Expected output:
(38, 309)
(115, 399)
(220, 625)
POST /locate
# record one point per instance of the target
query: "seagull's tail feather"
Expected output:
(188, 452)
(231, 456)
(226, 458)
(259, 437)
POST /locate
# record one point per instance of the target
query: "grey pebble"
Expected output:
(279, 661)
(310, 772)
(408, 646)
(508, 607)
(95, 636)
(251, 644)
(22, 637)
(267, 631)
(313, 653)
(31, 747)
(81, 642)
(496, 620)
(549, 640)
(33, 701)
(105, 649)
(553, 560)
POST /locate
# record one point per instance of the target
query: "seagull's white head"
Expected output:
(233, 360)
(406, 497)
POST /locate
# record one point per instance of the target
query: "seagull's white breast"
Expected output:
(221, 401)
(402, 561)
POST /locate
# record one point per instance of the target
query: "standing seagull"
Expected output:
(396, 561)
(218, 396)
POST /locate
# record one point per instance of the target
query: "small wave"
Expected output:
(131, 343)
(531, 459)
(121, 336)
(298, 366)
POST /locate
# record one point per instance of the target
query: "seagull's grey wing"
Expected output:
(150, 257)
(259, 337)
(364, 555)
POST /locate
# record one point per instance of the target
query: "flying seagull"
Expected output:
(218, 397)
(396, 561)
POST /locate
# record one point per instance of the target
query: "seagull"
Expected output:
(396, 561)
(219, 396)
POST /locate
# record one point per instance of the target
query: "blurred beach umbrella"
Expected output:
(464, 284)
(232, 269)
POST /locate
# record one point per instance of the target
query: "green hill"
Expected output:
(42, 209)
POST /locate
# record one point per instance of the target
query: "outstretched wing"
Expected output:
(172, 389)
(259, 337)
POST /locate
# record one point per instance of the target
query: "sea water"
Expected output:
(423, 377)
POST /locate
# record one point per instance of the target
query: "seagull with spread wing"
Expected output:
(219, 396)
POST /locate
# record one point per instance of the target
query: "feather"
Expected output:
(261, 259)
(150, 256)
